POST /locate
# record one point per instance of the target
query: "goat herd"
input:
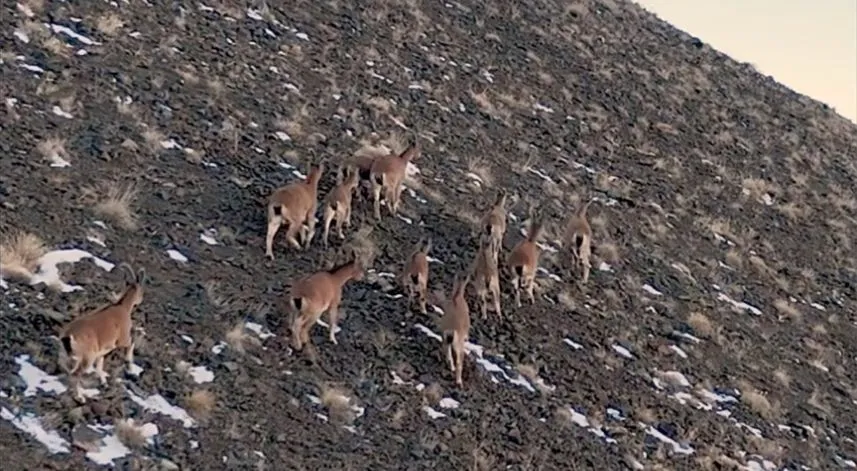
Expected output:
(90, 337)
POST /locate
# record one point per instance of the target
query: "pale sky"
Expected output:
(810, 46)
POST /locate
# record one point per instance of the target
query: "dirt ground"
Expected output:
(717, 330)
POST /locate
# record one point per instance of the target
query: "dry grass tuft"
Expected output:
(531, 373)
(338, 405)
(787, 310)
(53, 149)
(433, 393)
(479, 167)
(609, 252)
(19, 255)
(212, 293)
(783, 377)
(237, 338)
(757, 401)
(130, 434)
(700, 324)
(56, 46)
(117, 206)
(153, 139)
(364, 246)
(200, 403)
(109, 24)
(734, 259)
(567, 299)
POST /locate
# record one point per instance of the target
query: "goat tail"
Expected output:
(65, 341)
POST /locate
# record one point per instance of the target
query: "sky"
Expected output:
(810, 46)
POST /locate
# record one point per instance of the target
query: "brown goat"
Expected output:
(577, 239)
(416, 272)
(92, 336)
(294, 204)
(315, 294)
(337, 204)
(455, 327)
(486, 278)
(493, 223)
(363, 162)
(387, 174)
(523, 261)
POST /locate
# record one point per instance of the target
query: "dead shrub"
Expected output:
(19, 255)
(116, 205)
(200, 403)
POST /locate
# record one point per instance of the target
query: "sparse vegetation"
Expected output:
(721, 238)
(200, 403)
(130, 434)
(19, 255)
(117, 205)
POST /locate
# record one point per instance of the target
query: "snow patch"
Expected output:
(651, 290)
(49, 274)
(449, 403)
(622, 351)
(111, 448)
(176, 255)
(258, 329)
(739, 305)
(677, 447)
(432, 413)
(209, 237)
(36, 379)
(157, 403)
(32, 425)
(201, 374)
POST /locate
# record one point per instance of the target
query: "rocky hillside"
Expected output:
(717, 330)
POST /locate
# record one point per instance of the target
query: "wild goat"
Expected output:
(337, 203)
(92, 336)
(486, 277)
(387, 174)
(493, 223)
(523, 261)
(455, 327)
(415, 274)
(577, 239)
(314, 294)
(363, 162)
(294, 204)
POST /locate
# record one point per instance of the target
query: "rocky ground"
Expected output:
(717, 330)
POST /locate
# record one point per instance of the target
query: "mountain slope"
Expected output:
(717, 329)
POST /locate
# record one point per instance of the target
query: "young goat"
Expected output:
(486, 278)
(91, 337)
(455, 327)
(523, 261)
(415, 274)
(314, 294)
(363, 162)
(337, 203)
(387, 174)
(294, 204)
(577, 239)
(493, 223)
